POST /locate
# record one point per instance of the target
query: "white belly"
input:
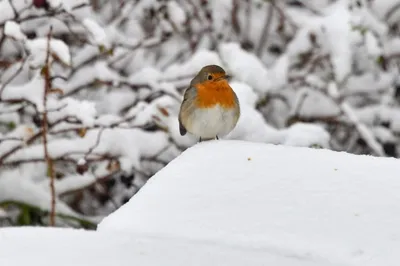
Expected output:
(212, 122)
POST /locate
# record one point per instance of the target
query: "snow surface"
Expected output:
(239, 203)
(317, 206)
(66, 247)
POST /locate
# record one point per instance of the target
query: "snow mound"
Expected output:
(311, 205)
(66, 247)
(237, 203)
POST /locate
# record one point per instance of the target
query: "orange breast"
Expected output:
(211, 93)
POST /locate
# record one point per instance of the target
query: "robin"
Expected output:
(210, 108)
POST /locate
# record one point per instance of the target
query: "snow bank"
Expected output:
(317, 206)
(233, 203)
(66, 247)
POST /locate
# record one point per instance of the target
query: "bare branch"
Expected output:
(50, 166)
(96, 143)
(264, 35)
(16, 14)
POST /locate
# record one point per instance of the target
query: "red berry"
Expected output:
(82, 168)
(40, 4)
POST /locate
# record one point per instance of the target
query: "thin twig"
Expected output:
(96, 143)
(16, 14)
(50, 166)
(11, 138)
(301, 97)
(267, 27)
(11, 78)
(46, 15)
(282, 14)
(391, 11)
(29, 141)
(96, 180)
(68, 157)
(366, 134)
(234, 16)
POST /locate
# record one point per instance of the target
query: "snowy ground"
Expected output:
(239, 203)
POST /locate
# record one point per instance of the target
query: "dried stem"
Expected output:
(50, 166)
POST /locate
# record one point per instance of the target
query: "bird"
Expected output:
(210, 108)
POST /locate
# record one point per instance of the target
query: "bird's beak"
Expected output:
(223, 77)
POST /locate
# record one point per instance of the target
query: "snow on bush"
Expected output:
(90, 90)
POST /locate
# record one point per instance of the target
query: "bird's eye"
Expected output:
(209, 77)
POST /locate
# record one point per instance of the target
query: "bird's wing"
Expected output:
(186, 106)
(238, 111)
(182, 129)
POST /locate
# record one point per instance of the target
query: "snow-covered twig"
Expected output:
(348, 111)
(282, 13)
(16, 73)
(365, 133)
(20, 19)
(90, 150)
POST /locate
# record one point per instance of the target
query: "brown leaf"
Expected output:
(56, 90)
(28, 133)
(163, 111)
(82, 132)
(113, 166)
(58, 59)
(44, 71)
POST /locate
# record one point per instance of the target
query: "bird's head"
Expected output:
(210, 74)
